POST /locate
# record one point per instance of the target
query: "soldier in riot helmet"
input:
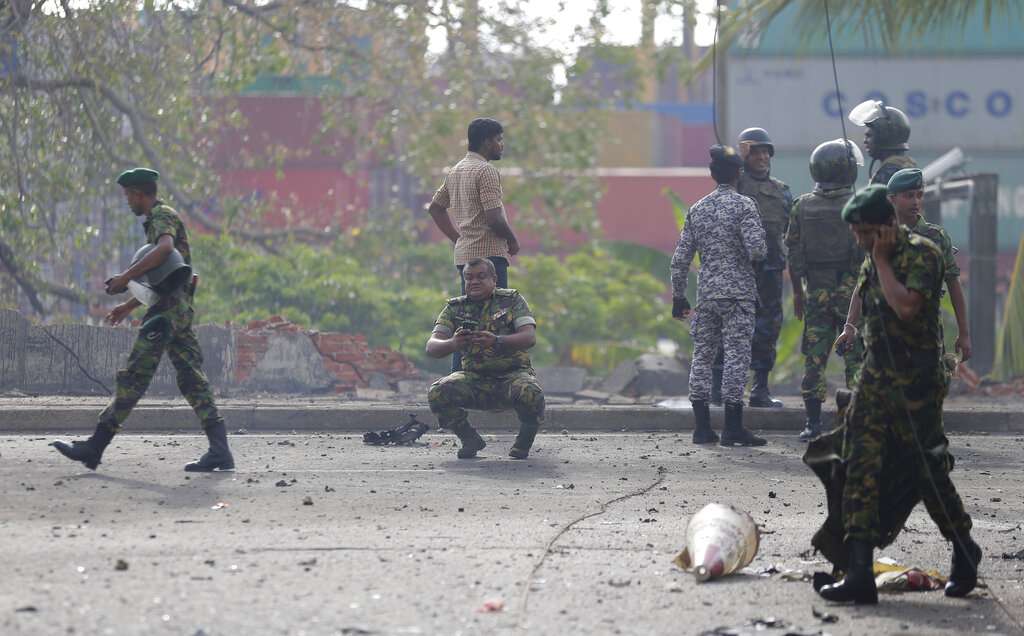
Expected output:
(886, 138)
(774, 201)
(824, 259)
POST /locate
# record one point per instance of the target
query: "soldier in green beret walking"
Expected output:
(166, 327)
(906, 192)
(493, 328)
(896, 409)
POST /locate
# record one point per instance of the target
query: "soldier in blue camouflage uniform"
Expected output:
(774, 202)
(897, 405)
(493, 328)
(167, 326)
(886, 138)
(725, 230)
(824, 256)
(906, 193)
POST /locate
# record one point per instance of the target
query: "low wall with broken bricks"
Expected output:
(270, 355)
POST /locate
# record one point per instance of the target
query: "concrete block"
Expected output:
(659, 375)
(620, 378)
(291, 365)
(591, 394)
(561, 380)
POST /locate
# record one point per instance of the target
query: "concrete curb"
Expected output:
(361, 417)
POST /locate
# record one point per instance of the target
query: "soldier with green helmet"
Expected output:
(166, 327)
(896, 411)
(906, 193)
(493, 328)
(886, 139)
(824, 258)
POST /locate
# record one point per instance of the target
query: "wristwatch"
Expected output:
(499, 342)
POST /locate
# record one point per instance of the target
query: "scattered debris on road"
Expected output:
(824, 616)
(492, 605)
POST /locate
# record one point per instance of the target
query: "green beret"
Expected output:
(869, 205)
(906, 179)
(137, 177)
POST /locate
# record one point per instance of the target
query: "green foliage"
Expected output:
(592, 298)
(647, 259)
(100, 87)
(1009, 361)
(591, 308)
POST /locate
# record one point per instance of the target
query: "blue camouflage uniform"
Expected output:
(725, 229)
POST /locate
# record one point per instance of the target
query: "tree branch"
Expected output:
(11, 265)
(188, 204)
(260, 14)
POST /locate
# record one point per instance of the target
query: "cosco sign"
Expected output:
(957, 104)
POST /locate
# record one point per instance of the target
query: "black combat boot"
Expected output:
(702, 433)
(471, 441)
(812, 428)
(90, 451)
(963, 576)
(859, 584)
(716, 386)
(760, 397)
(219, 457)
(524, 440)
(734, 434)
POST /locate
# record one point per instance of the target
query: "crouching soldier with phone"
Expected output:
(492, 328)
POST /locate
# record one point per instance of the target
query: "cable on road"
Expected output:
(569, 526)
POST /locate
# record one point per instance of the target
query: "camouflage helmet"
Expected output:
(889, 126)
(834, 164)
(752, 137)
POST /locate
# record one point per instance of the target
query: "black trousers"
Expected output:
(501, 269)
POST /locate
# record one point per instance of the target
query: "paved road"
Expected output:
(413, 541)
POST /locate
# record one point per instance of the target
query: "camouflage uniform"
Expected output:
(824, 256)
(774, 201)
(491, 379)
(938, 235)
(902, 375)
(724, 228)
(890, 166)
(167, 326)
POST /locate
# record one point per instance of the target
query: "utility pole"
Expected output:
(722, 80)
